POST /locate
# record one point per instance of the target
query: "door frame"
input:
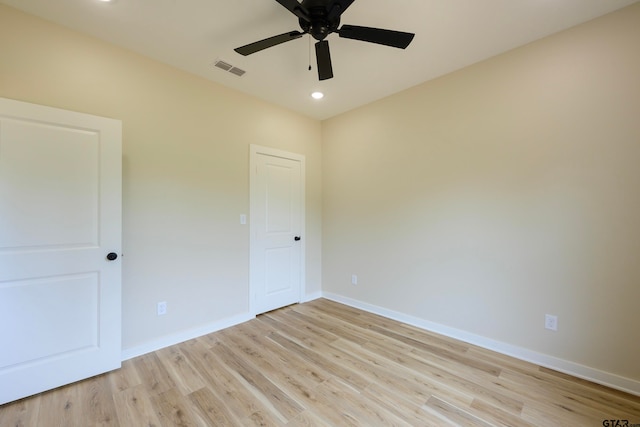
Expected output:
(254, 152)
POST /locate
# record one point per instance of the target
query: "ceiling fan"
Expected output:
(319, 18)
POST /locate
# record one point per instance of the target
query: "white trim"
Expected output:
(210, 328)
(177, 338)
(254, 151)
(311, 297)
(575, 369)
(259, 149)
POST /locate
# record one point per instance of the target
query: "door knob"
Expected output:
(297, 238)
(112, 256)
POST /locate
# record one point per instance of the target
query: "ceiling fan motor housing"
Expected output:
(320, 23)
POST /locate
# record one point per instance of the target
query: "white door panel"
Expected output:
(36, 303)
(53, 202)
(277, 218)
(280, 193)
(60, 214)
(278, 267)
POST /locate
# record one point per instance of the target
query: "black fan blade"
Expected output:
(376, 35)
(323, 58)
(296, 8)
(337, 8)
(266, 43)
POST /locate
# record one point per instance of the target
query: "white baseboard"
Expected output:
(183, 336)
(311, 297)
(551, 362)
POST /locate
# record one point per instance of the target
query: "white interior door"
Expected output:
(60, 215)
(277, 224)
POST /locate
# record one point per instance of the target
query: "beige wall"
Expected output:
(489, 197)
(186, 154)
(480, 201)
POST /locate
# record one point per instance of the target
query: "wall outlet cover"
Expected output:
(551, 322)
(162, 308)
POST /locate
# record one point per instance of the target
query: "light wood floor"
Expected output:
(325, 364)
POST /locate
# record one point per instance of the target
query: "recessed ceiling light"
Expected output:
(317, 95)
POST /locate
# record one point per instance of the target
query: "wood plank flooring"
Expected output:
(325, 364)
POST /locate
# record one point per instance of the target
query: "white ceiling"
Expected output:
(191, 34)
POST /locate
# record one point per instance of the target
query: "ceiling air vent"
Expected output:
(237, 71)
(228, 67)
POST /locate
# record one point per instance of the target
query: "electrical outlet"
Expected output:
(354, 279)
(551, 322)
(162, 308)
